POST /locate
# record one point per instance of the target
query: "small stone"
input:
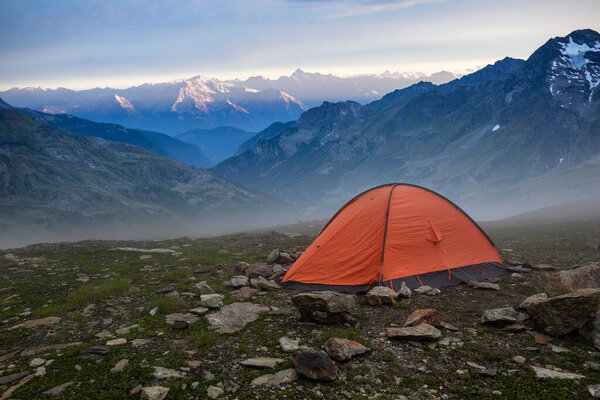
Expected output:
(277, 268)
(37, 362)
(135, 390)
(212, 300)
(244, 294)
(314, 364)
(343, 349)
(40, 371)
(37, 322)
(166, 373)
(116, 342)
(484, 285)
(499, 316)
(276, 379)
(496, 393)
(531, 300)
(288, 345)
(120, 365)
(164, 290)
(103, 335)
(558, 349)
(423, 289)
(404, 291)
(273, 256)
(202, 288)
(265, 284)
(514, 328)
(427, 315)
(56, 390)
(199, 310)
(139, 342)
(154, 393)
(434, 292)
(549, 373)
(213, 392)
(519, 359)
(179, 324)
(153, 311)
(239, 281)
(594, 391)
(262, 362)
(208, 376)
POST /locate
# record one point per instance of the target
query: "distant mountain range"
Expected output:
(206, 103)
(511, 137)
(59, 183)
(217, 143)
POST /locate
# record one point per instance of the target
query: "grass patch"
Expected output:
(168, 304)
(176, 275)
(91, 294)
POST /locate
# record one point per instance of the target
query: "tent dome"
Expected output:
(393, 233)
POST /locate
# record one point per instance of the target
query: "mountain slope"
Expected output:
(484, 144)
(218, 143)
(155, 142)
(54, 180)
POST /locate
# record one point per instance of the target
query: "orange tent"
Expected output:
(394, 233)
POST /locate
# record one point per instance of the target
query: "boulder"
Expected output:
(240, 281)
(343, 349)
(587, 277)
(234, 317)
(262, 362)
(273, 256)
(259, 269)
(419, 332)
(324, 307)
(499, 316)
(563, 314)
(426, 315)
(285, 258)
(591, 331)
(154, 393)
(314, 364)
(531, 300)
(381, 295)
(276, 379)
(212, 300)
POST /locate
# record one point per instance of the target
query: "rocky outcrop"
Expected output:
(234, 317)
(569, 280)
(563, 314)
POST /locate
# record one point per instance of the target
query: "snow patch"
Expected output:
(576, 52)
(250, 90)
(495, 128)
(288, 98)
(235, 106)
(126, 104)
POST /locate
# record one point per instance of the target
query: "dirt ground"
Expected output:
(93, 287)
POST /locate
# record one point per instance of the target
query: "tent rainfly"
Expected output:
(393, 233)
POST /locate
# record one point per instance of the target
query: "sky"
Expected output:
(119, 43)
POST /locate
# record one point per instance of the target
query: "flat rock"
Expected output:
(120, 365)
(423, 289)
(288, 345)
(44, 349)
(34, 323)
(165, 290)
(139, 342)
(12, 377)
(549, 373)
(262, 362)
(37, 362)
(199, 310)
(314, 364)
(419, 332)
(433, 292)
(116, 342)
(212, 300)
(423, 315)
(265, 284)
(324, 307)
(543, 267)
(234, 317)
(166, 373)
(154, 393)
(499, 316)
(343, 349)
(531, 300)
(586, 277)
(594, 391)
(276, 379)
(56, 390)
(381, 295)
(94, 351)
(188, 318)
(259, 269)
(563, 314)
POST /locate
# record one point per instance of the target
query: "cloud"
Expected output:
(348, 8)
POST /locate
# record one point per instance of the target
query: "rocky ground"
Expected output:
(106, 320)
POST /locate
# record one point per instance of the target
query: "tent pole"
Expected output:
(387, 217)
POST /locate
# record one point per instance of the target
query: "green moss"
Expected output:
(91, 294)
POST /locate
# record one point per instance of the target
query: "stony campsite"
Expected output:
(205, 318)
